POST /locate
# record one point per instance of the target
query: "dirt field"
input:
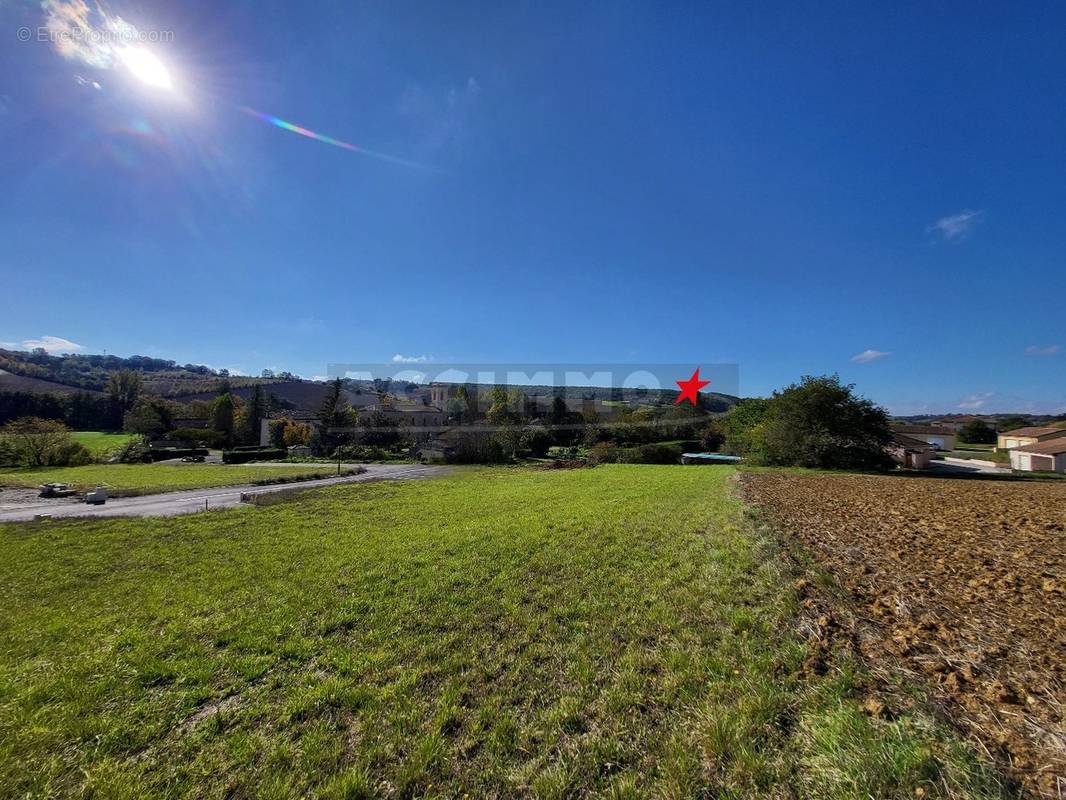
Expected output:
(961, 583)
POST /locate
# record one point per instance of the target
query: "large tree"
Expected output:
(222, 418)
(820, 422)
(252, 416)
(336, 417)
(124, 388)
(977, 432)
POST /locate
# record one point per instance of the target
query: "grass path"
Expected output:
(620, 631)
(130, 479)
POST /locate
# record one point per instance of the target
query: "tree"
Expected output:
(222, 417)
(378, 430)
(123, 387)
(336, 417)
(977, 432)
(149, 417)
(297, 434)
(822, 423)
(740, 426)
(712, 437)
(499, 412)
(1013, 423)
(252, 415)
(36, 442)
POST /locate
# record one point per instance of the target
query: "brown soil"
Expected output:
(959, 582)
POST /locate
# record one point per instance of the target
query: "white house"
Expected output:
(1023, 437)
(1049, 456)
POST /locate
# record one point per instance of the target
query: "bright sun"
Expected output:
(146, 67)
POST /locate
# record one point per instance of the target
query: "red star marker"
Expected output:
(690, 387)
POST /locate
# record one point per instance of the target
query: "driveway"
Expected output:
(960, 466)
(169, 504)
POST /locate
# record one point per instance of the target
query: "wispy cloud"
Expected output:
(1036, 350)
(955, 227)
(866, 356)
(53, 344)
(442, 119)
(8, 345)
(84, 33)
(974, 401)
(402, 359)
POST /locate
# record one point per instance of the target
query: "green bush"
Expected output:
(360, 452)
(603, 453)
(244, 455)
(166, 453)
(652, 454)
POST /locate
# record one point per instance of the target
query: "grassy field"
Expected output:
(624, 631)
(100, 443)
(130, 479)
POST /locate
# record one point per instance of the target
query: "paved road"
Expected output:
(187, 502)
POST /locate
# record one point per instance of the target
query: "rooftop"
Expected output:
(1036, 431)
(1054, 447)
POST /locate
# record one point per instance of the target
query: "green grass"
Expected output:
(131, 479)
(101, 443)
(623, 631)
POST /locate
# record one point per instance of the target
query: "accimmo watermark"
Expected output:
(429, 398)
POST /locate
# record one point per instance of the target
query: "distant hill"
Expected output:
(40, 372)
(21, 383)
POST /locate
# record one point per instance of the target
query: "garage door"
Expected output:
(1043, 463)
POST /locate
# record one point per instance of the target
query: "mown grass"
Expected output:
(100, 443)
(152, 478)
(621, 631)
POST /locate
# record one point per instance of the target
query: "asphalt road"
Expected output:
(172, 503)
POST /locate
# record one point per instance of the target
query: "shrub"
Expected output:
(166, 453)
(135, 451)
(36, 442)
(603, 453)
(247, 454)
(653, 454)
(359, 452)
(476, 448)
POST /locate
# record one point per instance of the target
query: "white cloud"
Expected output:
(866, 356)
(8, 345)
(87, 34)
(955, 227)
(401, 359)
(53, 344)
(1035, 350)
(974, 401)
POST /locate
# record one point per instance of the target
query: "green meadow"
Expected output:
(625, 631)
(100, 443)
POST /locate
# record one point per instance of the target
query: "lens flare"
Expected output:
(318, 137)
(146, 67)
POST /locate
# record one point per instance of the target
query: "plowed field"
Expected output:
(961, 583)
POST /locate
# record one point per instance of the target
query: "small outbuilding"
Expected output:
(1049, 456)
(910, 453)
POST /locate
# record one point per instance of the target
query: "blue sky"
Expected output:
(797, 188)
